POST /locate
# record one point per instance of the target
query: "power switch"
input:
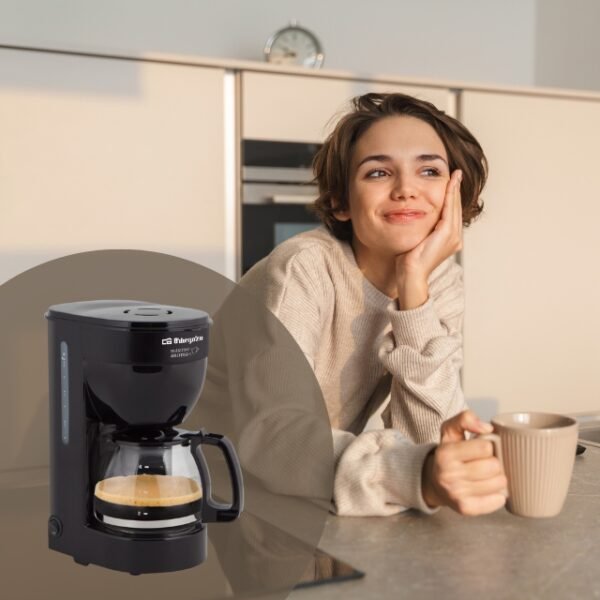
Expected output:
(54, 527)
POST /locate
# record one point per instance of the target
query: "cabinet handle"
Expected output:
(291, 199)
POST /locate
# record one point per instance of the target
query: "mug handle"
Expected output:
(213, 511)
(497, 443)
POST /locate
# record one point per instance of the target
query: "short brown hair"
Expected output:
(331, 164)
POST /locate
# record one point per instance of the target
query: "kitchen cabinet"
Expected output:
(296, 108)
(532, 327)
(100, 152)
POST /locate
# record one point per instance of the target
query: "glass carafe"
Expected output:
(159, 479)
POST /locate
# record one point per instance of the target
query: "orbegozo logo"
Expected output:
(182, 340)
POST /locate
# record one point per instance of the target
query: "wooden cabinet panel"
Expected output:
(99, 153)
(103, 153)
(303, 108)
(532, 329)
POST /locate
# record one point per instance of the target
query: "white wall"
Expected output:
(568, 44)
(467, 40)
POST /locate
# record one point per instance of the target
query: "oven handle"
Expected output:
(291, 199)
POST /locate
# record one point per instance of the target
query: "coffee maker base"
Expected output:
(137, 555)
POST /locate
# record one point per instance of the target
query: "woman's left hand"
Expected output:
(413, 268)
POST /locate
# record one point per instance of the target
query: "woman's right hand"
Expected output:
(464, 474)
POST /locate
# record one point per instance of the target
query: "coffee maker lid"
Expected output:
(130, 314)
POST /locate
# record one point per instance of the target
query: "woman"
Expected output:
(375, 301)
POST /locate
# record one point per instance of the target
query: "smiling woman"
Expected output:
(395, 195)
(375, 301)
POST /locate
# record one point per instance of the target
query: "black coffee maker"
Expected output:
(128, 490)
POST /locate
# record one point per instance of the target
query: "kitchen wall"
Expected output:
(466, 40)
(567, 44)
(529, 42)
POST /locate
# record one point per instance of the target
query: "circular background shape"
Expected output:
(260, 391)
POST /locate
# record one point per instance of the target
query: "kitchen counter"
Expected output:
(409, 555)
(493, 556)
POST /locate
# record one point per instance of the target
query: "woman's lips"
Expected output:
(404, 216)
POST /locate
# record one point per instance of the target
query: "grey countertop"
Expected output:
(409, 555)
(448, 556)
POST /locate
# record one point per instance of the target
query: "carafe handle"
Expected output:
(213, 511)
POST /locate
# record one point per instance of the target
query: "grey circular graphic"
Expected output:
(260, 392)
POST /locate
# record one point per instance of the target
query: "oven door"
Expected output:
(266, 225)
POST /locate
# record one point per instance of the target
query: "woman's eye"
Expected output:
(376, 173)
(431, 171)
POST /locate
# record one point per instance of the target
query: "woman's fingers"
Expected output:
(479, 470)
(458, 224)
(456, 203)
(482, 487)
(448, 209)
(451, 217)
(453, 430)
(455, 229)
(480, 505)
(466, 474)
(464, 451)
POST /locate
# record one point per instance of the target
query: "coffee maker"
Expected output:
(128, 489)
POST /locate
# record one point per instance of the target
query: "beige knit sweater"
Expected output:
(360, 347)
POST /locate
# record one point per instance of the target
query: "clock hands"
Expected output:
(289, 53)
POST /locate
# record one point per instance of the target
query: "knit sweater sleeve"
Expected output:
(377, 473)
(423, 352)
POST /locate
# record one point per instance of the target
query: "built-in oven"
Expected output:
(277, 191)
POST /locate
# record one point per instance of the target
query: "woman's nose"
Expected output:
(404, 187)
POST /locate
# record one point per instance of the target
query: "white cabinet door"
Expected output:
(102, 153)
(303, 108)
(532, 328)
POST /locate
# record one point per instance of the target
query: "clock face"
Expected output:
(294, 46)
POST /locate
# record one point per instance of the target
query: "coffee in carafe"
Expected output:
(148, 490)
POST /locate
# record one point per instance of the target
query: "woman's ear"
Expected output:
(340, 214)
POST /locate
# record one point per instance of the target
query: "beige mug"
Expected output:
(537, 451)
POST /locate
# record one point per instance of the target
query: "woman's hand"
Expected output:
(464, 474)
(413, 268)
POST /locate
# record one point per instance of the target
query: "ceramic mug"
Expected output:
(537, 451)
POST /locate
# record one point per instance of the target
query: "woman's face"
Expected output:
(398, 177)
